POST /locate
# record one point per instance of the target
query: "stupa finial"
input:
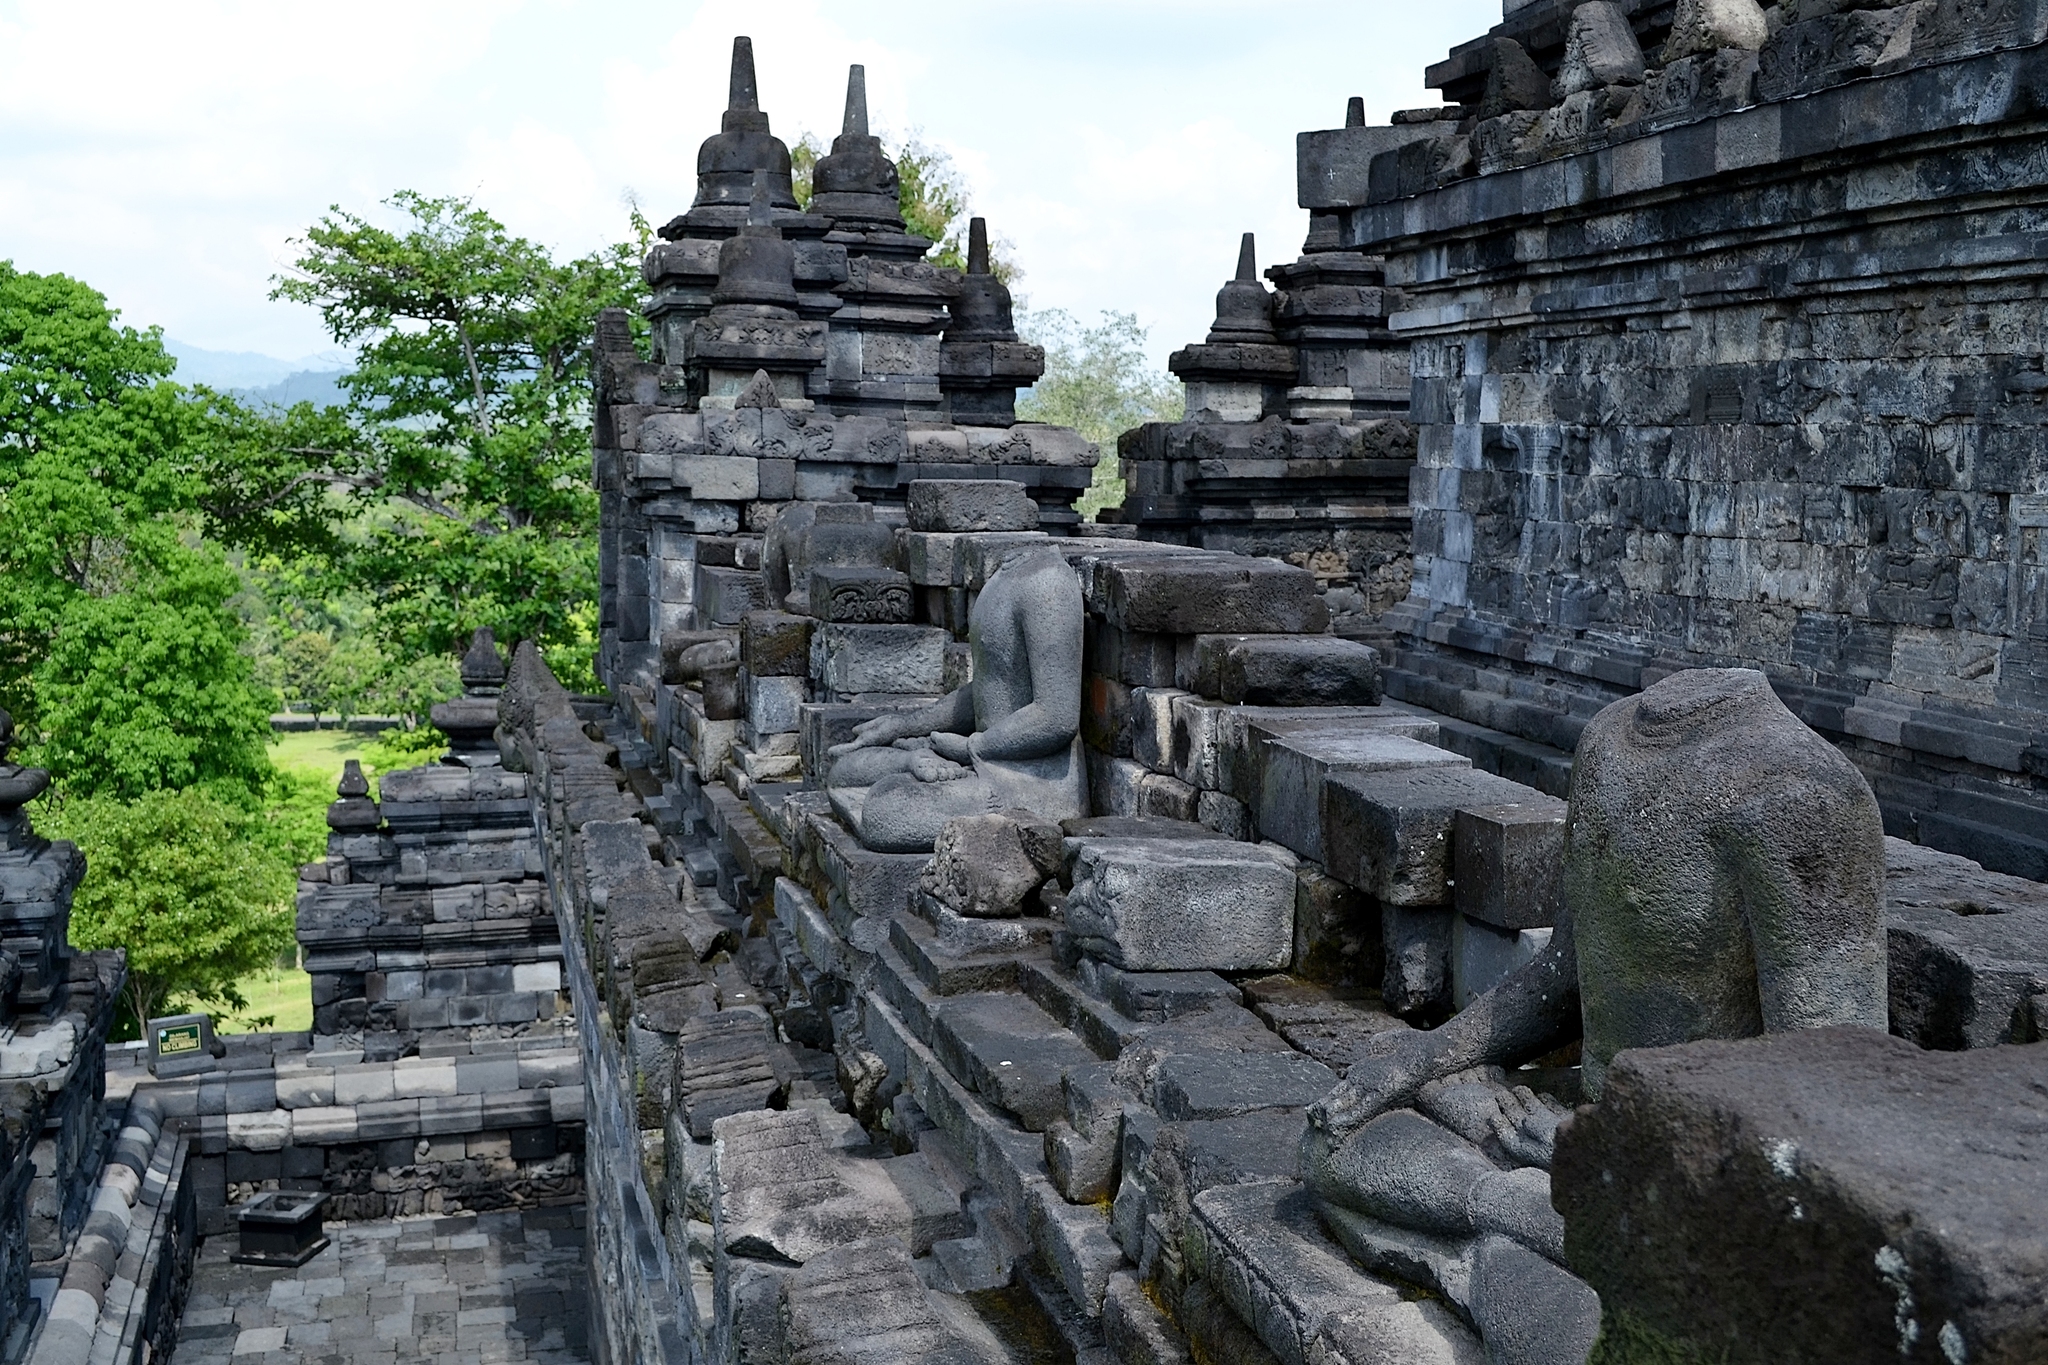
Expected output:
(977, 246)
(856, 121)
(1354, 112)
(744, 95)
(1247, 259)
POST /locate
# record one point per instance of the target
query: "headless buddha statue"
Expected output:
(1009, 738)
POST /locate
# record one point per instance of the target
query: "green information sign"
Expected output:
(176, 1039)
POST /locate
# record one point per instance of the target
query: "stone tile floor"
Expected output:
(462, 1290)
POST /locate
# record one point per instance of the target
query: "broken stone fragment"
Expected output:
(1704, 26)
(1600, 50)
(1514, 82)
(1171, 905)
(987, 866)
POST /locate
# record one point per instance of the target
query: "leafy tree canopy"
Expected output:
(117, 652)
(196, 902)
(466, 437)
(1097, 381)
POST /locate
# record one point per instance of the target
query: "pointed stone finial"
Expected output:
(483, 668)
(743, 95)
(1244, 309)
(353, 783)
(1354, 112)
(977, 246)
(760, 208)
(759, 393)
(856, 121)
(1247, 259)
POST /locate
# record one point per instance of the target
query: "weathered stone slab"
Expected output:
(1169, 905)
(1866, 1200)
(1508, 862)
(847, 660)
(1294, 765)
(1968, 951)
(1011, 1051)
(1390, 833)
(1290, 670)
(1196, 595)
(970, 505)
(1214, 1085)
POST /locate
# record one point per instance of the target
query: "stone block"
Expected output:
(1226, 815)
(1151, 726)
(1164, 795)
(987, 866)
(1866, 1200)
(1215, 1085)
(719, 478)
(774, 703)
(1968, 951)
(1295, 764)
(1508, 862)
(1483, 955)
(775, 644)
(847, 660)
(859, 595)
(1011, 1051)
(1416, 981)
(1287, 670)
(1170, 905)
(723, 595)
(1389, 833)
(537, 976)
(971, 505)
(1199, 594)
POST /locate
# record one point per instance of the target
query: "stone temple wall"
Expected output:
(1726, 329)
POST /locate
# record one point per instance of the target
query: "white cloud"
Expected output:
(167, 154)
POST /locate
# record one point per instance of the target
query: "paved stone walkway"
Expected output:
(464, 1290)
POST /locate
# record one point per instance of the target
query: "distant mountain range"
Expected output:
(262, 378)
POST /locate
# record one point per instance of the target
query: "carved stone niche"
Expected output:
(860, 596)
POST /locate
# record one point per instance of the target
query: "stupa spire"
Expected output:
(1247, 259)
(977, 246)
(855, 123)
(1354, 112)
(743, 94)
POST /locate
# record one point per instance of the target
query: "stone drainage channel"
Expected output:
(459, 1290)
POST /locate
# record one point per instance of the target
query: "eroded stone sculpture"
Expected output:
(1724, 878)
(1011, 737)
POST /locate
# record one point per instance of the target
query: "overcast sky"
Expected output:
(167, 154)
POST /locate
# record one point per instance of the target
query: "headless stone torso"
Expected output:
(1009, 738)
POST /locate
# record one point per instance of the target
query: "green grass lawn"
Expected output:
(285, 994)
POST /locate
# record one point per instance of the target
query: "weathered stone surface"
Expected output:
(1865, 1200)
(1389, 833)
(1530, 1310)
(1295, 765)
(1508, 862)
(863, 1304)
(1968, 951)
(971, 505)
(1408, 1171)
(1214, 1085)
(1198, 594)
(775, 644)
(1726, 871)
(859, 595)
(1168, 905)
(1315, 670)
(1705, 26)
(849, 660)
(987, 866)
(1600, 49)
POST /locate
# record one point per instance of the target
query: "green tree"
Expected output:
(1097, 381)
(118, 653)
(174, 878)
(465, 445)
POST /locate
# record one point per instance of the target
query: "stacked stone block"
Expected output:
(430, 912)
(1812, 449)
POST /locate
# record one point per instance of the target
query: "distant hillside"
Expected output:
(262, 378)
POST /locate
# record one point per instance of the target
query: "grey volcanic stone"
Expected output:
(983, 867)
(1408, 1171)
(1214, 1085)
(1312, 670)
(1171, 905)
(863, 1304)
(1204, 594)
(1529, 1310)
(1294, 765)
(1389, 833)
(1863, 1199)
(775, 644)
(1416, 980)
(971, 505)
(1726, 871)
(1968, 951)
(1600, 49)
(1706, 26)
(1508, 862)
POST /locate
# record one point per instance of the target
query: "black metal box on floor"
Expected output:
(281, 1228)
